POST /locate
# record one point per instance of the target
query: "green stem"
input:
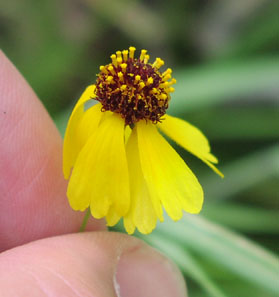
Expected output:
(85, 219)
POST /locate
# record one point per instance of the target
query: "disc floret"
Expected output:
(133, 87)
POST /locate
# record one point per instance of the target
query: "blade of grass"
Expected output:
(219, 82)
(244, 173)
(243, 218)
(232, 251)
(186, 262)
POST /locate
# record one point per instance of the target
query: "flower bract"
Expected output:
(117, 161)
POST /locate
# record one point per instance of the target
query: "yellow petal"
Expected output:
(190, 138)
(71, 146)
(128, 132)
(88, 123)
(168, 178)
(141, 214)
(112, 217)
(100, 174)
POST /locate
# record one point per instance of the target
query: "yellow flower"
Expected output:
(121, 165)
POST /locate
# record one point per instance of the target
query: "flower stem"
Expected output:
(85, 219)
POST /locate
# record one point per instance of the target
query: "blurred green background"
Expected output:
(224, 55)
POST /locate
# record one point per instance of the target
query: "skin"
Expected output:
(41, 252)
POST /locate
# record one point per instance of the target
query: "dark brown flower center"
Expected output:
(134, 88)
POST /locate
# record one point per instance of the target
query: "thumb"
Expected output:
(99, 264)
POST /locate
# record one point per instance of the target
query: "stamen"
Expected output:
(142, 55)
(168, 71)
(166, 77)
(133, 87)
(119, 54)
(111, 70)
(146, 58)
(120, 75)
(170, 90)
(172, 82)
(131, 52)
(103, 69)
(137, 78)
(141, 85)
(149, 81)
(125, 55)
(113, 58)
(123, 67)
(109, 79)
(158, 63)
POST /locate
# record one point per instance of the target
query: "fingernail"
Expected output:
(145, 272)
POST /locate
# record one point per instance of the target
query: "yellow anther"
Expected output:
(163, 96)
(119, 54)
(139, 97)
(146, 58)
(172, 82)
(166, 77)
(137, 78)
(164, 84)
(168, 71)
(158, 63)
(125, 55)
(142, 54)
(170, 90)
(149, 81)
(111, 70)
(113, 59)
(120, 75)
(153, 91)
(119, 60)
(123, 67)
(109, 79)
(141, 85)
(103, 69)
(123, 87)
(132, 52)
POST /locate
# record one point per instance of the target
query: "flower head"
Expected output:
(121, 165)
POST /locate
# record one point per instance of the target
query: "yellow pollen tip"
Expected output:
(166, 77)
(172, 82)
(158, 63)
(132, 52)
(120, 75)
(168, 71)
(111, 70)
(163, 96)
(103, 69)
(149, 81)
(109, 79)
(170, 90)
(119, 54)
(141, 85)
(125, 55)
(146, 58)
(113, 59)
(119, 60)
(123, 87)
(123, 67)
(137, 78)
(142, 55)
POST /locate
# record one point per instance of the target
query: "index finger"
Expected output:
(33, 201)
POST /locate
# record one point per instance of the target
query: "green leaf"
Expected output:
(219, 82)
(232, 251)
(185, 261)
(243, 218)
(244, 173)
